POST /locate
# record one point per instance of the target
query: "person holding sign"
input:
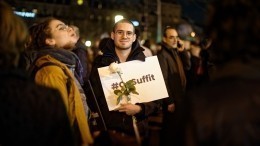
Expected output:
(121, 47)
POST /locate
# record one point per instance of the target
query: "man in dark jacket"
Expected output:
(174, 60)
(81, 51)
(122, 47)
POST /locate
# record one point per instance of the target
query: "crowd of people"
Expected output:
(52, 95)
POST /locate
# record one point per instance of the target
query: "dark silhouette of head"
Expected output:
(233, 26)
(13, 36)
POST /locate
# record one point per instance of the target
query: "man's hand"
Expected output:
(180, 45)
(129, 109)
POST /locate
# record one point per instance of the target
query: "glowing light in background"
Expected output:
(118, 17)
(25, 14)
(192, 34)
(88, 43)
(80, 2)
(136, 23)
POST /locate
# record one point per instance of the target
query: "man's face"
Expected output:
(62, 35)
(123, 36)
(171, 38)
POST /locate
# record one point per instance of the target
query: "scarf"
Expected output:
(67, 57)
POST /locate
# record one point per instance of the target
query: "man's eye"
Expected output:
(129, 33)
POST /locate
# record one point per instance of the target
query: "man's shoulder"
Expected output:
(101, 60)
(163, 52)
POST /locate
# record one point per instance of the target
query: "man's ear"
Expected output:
(164, 39)
(134, 37)
(50, 42)
(112, 35)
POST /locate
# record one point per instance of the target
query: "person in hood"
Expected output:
(121, 47)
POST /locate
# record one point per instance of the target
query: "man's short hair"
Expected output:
(123, 21)
(167, 28)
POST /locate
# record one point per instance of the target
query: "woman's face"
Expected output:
(62, 35)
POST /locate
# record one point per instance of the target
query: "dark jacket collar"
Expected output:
(109, 54)
(167, 47)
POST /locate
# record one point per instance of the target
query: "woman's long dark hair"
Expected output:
(39, 32)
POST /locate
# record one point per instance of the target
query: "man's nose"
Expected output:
(125, 35)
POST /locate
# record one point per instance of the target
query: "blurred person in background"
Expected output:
(81, 51)
(147, 51)
(30, 114)
(174, 61)
(225, 111)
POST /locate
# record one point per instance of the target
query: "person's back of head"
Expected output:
(13, 36)
(102, 44)
(76, 30)
(234, 28)
(218, 114)
(27, 114)
(224, 111)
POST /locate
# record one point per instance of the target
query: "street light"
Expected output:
(88, 43)
(80, 2)
(136, 23)
(118, 17)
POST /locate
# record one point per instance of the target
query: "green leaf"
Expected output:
(132, 88)
(117, 92)
(118, 99)
(126, 92)
(123, 88)
(130, 83)
(134, 92)
(128, 98)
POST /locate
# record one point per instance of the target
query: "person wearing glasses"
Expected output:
(121, 47)
(30, 114)
(55, 66)
(174, 61)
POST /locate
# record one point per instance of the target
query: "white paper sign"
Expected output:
(148, 77)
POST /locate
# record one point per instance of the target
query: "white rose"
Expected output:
(113, 67)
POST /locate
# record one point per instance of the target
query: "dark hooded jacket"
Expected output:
(115, 120)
